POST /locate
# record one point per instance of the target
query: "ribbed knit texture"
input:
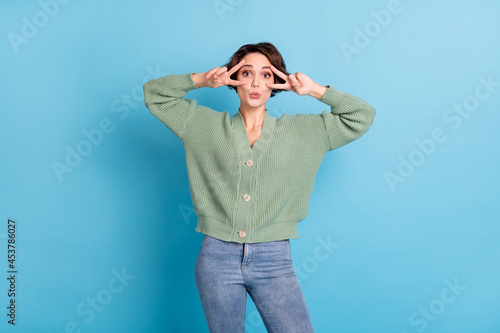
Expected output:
(285, 159)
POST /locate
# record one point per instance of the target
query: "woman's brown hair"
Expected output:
(265, 48)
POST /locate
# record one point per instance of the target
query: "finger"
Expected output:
(236, 83)
(222, 70)
(276, 85)
(236, 68)
(293, 80)
(212, 71)
(300, 78)
(279, 73)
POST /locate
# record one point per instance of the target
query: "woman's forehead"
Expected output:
(256, 60)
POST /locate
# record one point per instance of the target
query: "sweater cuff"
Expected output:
(174, 85)
(188, 81)
(332, 97)
(177, 82)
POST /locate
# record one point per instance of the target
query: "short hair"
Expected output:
(265, 48)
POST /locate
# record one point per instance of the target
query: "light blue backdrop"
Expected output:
(403, 227)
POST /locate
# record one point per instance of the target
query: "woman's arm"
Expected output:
(164, 96)
(350, 116)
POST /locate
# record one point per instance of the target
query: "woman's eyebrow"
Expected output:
(263, 67)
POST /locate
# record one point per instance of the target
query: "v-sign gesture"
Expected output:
(299, 83)
(218, 76)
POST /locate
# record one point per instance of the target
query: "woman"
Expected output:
(251, 176)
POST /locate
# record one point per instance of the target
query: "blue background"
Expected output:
(408, 220)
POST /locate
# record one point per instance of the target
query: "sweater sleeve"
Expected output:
(350, 117)
(164, 97)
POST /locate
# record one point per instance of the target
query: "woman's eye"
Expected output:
(246, 73)
(267, 75)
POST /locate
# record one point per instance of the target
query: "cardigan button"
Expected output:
(242, 234)
(246, 198)
(249, 163)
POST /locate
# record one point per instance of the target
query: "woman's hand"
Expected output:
(299, 83)
(218, 77)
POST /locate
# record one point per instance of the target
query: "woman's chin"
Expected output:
(252, 104)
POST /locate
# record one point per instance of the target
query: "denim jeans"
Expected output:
(226, 271)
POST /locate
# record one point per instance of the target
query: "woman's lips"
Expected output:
(254, 95)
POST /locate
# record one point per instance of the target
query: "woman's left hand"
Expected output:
(299, 83)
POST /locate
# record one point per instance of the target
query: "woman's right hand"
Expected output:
(218, 77)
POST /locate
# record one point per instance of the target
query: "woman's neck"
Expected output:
(253, 117)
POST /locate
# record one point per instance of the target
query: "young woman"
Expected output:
(251, 176)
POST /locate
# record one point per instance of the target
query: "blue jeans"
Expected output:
(226, 271)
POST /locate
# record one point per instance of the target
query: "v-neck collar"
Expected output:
(262, 142)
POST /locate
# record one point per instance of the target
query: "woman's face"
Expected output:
(257, 72)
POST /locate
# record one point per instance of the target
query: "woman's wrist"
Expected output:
(317, 90)
(199, 79)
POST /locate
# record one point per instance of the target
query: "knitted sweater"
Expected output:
(259, 194)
